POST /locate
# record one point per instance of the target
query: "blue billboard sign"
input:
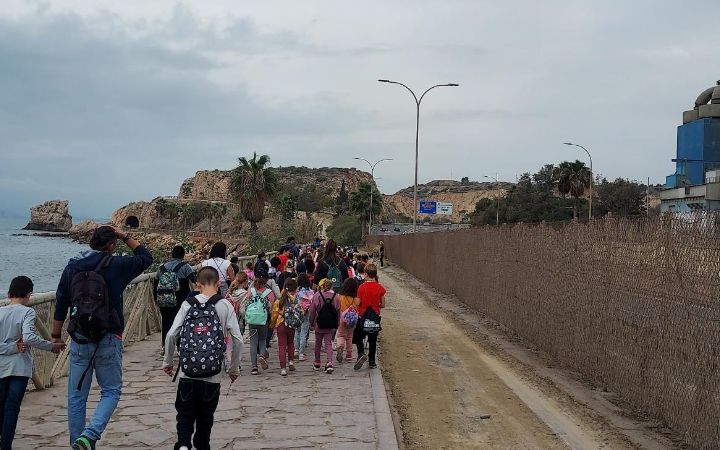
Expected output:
(428, 207)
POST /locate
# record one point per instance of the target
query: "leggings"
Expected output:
(258, 334)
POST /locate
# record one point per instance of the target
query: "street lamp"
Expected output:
(372, 188)
(417, 135)
(497, 188)
(591, 176)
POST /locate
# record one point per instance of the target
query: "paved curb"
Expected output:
(387, 437)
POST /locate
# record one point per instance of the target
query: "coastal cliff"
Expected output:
(51, 216)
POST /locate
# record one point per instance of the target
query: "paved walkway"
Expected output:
(307, 409)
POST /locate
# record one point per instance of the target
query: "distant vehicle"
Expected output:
(396, 229)
(383, 229)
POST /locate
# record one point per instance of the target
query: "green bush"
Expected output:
(346, 230)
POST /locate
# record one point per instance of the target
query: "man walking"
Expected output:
(92, 287)
(172, 287)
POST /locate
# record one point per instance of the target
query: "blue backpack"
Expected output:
(335, 276)
(256, 313)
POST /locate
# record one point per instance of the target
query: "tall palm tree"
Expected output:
(360, 202)
(253, 184)
(573, 178)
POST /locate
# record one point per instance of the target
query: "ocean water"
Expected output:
(40, 258)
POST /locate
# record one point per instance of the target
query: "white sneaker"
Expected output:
(283, 372)
(184, 448)
(302, 357)
(291, 366)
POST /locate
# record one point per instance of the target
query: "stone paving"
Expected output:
(307, 409)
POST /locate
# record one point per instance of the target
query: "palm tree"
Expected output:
(573, 178)
(360, 202)
(253, 184)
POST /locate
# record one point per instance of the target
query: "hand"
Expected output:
(233, 376)
(57, 341)
(21, 346)
(168, 370)
(57, 347)
(119, 233)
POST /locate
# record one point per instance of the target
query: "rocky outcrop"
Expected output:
(82, 232)
(50, 216)
(463, 195)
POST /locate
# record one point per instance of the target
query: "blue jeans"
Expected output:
(108, 372)
(12, 391)
(301, 337)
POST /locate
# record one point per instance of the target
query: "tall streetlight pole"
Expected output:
(372, 187)
(591, 176)
(497, 188)
(417, 135)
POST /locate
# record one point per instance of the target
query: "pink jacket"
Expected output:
(317, 304)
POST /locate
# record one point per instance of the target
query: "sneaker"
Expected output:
(339, 356)
(372, 365)
(329, 368)
(283, 372)
(266, 355)
(360, 362)
(83, 443)
(263, 362)
(291, 366)
(183, 448)
(297, 353)
(302, 357)
(254, 371)
(316, 366)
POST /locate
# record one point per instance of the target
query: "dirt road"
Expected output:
(452, 393)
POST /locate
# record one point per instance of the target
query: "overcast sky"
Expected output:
(106, 102)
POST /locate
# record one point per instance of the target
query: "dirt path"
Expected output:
(452, 393)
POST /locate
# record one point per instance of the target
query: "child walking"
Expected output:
(325, 317)
(257, 314)
(17, 333)
(305, 296)
(204, 319)
(348, 319)
(285, 319)
(372, 300)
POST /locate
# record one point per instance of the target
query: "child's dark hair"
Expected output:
(309, 265)
(20, 287)
(218, 250)
(249, 265)
(275, 262)
(303, 281)
(361, 267)
(178, 252)
(260, 283)
(208, 276)
(102, 236)
(291, 285)
(234, 259)
(350, 287)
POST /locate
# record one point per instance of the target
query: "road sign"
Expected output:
(444, 208)
(428, 207)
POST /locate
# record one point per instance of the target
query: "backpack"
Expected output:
(293, 314)
(202, 342)
(261, 270)
(255, 313)
(90, 313)
(168, 286)
(327, 318)
(371, 321)
(335, 276)
(350, 317)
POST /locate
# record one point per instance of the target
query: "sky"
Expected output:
(105, 102)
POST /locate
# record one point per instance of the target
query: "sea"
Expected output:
(40, 258)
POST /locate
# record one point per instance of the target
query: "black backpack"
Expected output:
(201, 346)
(327, 318)
(90, 312)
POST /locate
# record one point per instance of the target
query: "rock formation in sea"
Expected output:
(50, 216)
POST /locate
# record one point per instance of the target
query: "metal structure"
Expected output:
(372, 188)
(591, 176)
(417, 136)
(497, 187)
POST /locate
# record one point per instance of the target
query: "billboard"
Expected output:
(444, 208)
(427, 207)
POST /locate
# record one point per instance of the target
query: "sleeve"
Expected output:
(313, 308)
(134, 265)
(30, 336)
(173, 334)
(343, 270)
(8, 348)
(62, 296)
(233, 328)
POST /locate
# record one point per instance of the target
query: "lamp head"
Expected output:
(452, 84)
(384, 81)
(568, 143)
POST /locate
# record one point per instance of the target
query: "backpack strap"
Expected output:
(104, 262)
(214, 299)
(192, 301)
(179, 266)
(266, 294)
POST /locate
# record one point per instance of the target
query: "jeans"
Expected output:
(323, 337)
(302, 335)
(358, 337)
(195, 403)
(12, 391)
(167, 316)
(108, 372)
(258, 336)
(269, 336)
(286, 344)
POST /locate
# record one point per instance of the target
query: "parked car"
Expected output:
(396, 229)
